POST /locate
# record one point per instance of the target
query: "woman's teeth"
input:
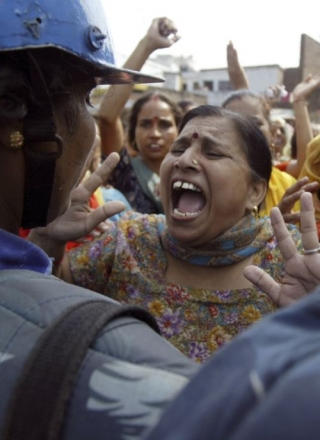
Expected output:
(185, 185)
(185, 214)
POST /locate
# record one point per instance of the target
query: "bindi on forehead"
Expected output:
(195, 135)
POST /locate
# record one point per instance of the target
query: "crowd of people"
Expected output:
(194, 286)
(198, 225)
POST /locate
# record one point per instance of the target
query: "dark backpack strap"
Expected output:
(38, 406)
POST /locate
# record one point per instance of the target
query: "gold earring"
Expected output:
(16, 140)
(255, 212)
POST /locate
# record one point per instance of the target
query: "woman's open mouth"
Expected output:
(155, 147)
(187, 199)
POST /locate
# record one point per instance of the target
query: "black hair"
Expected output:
(60, 70)
(239, 94)
(252, 141)
(137, 106)
(184, 104)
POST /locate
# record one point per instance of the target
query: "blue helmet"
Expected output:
(75, 26)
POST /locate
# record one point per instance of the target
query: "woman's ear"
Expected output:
(257, 194)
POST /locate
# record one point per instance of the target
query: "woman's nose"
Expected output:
(188, 160)
(155, 131)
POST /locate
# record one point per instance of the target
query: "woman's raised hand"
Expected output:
(305, 89)
(237, 75)
(80, 220)
(162, 33)
(302, 271)
(292, 195)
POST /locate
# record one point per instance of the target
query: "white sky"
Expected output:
(263, 31)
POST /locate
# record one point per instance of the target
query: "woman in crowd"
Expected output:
(282, 134)
(299, 98)
(187, 267)
(152, 127)
(284, 191)
(272, 370)
(303, 130)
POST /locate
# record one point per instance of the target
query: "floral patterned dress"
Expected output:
(128, 264)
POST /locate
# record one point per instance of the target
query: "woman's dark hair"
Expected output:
(60, 71)
(239, 94)
(137, 106)
(184, 104)
(252, 141)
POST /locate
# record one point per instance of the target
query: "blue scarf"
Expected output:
(245, 238)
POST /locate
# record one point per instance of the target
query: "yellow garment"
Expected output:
(98, 193)
(311, 168)
(278, 184)
(99, 196)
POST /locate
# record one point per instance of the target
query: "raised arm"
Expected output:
(302, 271)
(237, 75)
(301, 94)
(161, 34)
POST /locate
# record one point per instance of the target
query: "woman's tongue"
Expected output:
(191, 201)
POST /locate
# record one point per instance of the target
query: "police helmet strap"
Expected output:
(38, 126)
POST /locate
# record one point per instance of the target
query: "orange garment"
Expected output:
(95, 201)
(282, 166)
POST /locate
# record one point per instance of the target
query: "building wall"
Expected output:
(176, 95)
(216, 85)
(309, 56)
(212, 86)
(173, 81)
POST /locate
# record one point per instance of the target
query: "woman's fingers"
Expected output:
(100, 176)
(297, 186)
(166, 27)
(292, 217)
(292, 195)
(308, 228)
(308, 225)
(264, 282)
(285, 242)
(103, 226)
(288, 201)
(99, 215)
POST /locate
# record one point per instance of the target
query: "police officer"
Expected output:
(52, 54)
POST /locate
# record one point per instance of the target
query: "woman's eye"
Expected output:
(165, 124)
(144, 124)
(177, 150)
(213, 155)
